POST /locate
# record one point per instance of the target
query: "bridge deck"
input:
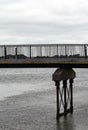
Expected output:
(45, 63)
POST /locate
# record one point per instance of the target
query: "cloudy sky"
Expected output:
(43, 21)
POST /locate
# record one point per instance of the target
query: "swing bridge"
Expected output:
(62, 56)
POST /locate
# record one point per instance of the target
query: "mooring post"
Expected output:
(57, 84)
(71, 94)
(65, 96)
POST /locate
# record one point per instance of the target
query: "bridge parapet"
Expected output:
(44, 50)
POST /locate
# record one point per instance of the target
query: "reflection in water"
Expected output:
(65, 123)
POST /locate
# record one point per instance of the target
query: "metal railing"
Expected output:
(43, 50)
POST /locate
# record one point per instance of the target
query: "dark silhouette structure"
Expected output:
(64, 93)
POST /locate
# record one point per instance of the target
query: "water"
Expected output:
(28, 101)
(17, 81)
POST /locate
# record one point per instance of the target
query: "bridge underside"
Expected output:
(45, 63)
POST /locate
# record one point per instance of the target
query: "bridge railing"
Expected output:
(43, 50)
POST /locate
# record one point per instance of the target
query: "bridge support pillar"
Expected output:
(64, 91)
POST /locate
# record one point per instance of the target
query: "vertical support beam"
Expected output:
(71, 92)
(57, 98)
(65, 96)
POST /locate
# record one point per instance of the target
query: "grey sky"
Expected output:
(43, 21)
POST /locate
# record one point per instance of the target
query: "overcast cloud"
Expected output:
(43, 21)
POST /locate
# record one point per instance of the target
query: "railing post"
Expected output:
(40, 50)
(65, 50)
(5, 52)
(57, 49)
(16, 52)
(85, 50)
(30, 51)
